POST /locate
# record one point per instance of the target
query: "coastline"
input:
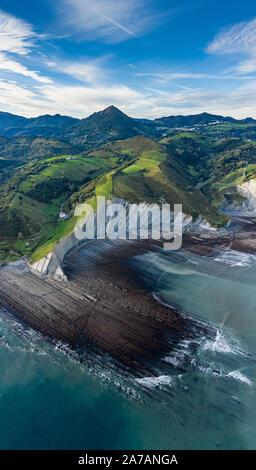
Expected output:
(104, 309)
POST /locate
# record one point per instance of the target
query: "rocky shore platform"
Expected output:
(240, 236)
(103, 309)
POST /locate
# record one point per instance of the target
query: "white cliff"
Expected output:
(51, 264)
(248, 191)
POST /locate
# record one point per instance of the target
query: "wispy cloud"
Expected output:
(187, 75)
(13, 66)
(109, 20)
(85, 70)
(16, 35)
(18, 99)
(156, 103)
(17, 38)
(247, 66)
(238, 40)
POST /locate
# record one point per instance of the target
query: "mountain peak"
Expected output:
(112, 108)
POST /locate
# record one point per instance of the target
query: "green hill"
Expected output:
(15, 152)
(32, 199)
(151, 173)
(30, 148)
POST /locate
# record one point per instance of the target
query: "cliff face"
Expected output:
(248, 191)
(51, 264)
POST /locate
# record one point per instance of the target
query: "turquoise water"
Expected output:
(48, 400)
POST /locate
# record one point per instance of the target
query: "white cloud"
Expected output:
(17, 38)
(109, 20)
(10, 65)
(81, 101)
(16, 35)
(84, 72)
(240, 38)
(247, 66)
(89, 71)
(19, 100)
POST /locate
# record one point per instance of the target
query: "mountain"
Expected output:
(11, 120)
(103, 126)
(109, 124)
(198, 119)
(100, 127)
(43, 126)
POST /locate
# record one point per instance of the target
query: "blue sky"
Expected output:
(148, 57)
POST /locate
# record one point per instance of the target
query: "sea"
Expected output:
(49, 400)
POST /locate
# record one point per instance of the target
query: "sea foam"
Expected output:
(236, 374)
(152, 382)
(236, 258)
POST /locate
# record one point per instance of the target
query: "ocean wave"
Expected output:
(223, 344)
(236, 258)
(180, 353)
(152, 382)
(236, 374)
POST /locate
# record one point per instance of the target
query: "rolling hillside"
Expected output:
(142, 170)
(41, 176)
(32, 199)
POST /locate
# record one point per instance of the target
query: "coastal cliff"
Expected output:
(248, 191)
(51, 264)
